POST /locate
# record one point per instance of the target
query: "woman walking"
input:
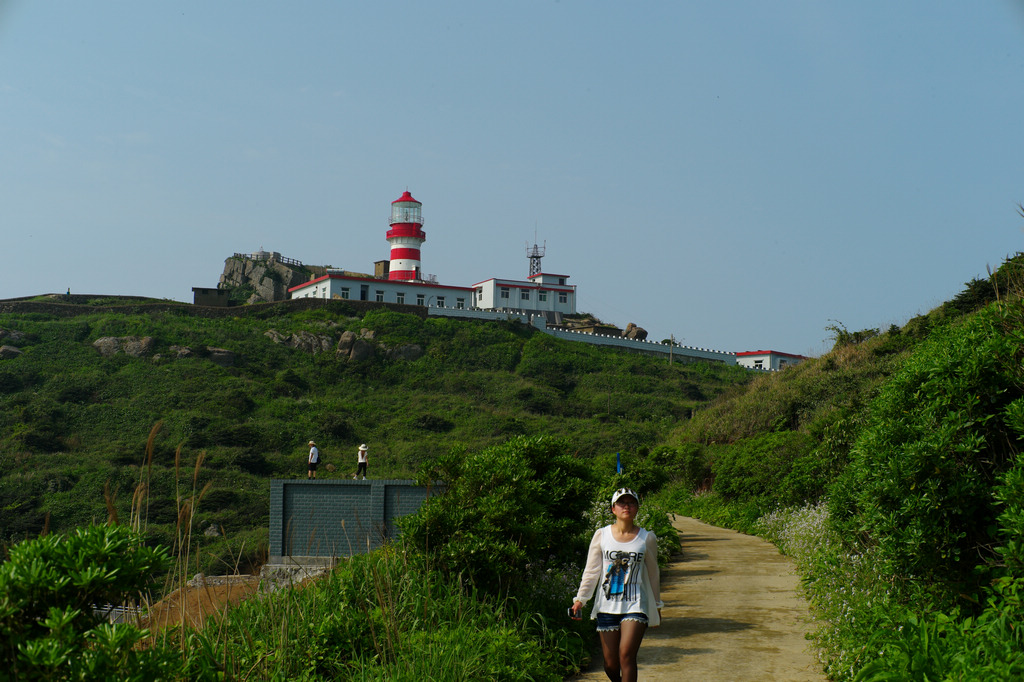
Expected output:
(629, 595)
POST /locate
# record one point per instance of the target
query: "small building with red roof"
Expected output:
(771, 360)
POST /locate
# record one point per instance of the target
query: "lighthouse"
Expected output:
(405, 237)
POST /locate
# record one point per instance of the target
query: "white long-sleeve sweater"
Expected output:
(625, 575)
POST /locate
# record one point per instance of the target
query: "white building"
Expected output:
(351, 287)
(540, 293)
(771, 360)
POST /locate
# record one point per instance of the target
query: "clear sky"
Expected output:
(737, 174)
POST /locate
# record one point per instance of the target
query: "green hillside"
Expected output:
(891, 470)
(74, 422)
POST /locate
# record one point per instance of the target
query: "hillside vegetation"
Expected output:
(890, 469)
(74, 423)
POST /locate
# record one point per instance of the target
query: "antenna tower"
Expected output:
(535, 253)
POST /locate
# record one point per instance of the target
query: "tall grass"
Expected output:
(381, 616)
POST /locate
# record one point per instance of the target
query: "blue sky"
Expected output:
(737, 174)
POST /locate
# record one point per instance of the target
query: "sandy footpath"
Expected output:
(732, 614)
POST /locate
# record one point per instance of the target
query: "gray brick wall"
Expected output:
(325, 519)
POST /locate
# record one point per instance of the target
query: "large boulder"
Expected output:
(356, 348)
(345, 343)
(634, 332)
(361, 350)
(135, 346)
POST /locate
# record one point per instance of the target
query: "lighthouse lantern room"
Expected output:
(405, 237)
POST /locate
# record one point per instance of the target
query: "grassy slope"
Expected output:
(72, 420)
(913, 438)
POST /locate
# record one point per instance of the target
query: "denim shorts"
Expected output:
(609, 622)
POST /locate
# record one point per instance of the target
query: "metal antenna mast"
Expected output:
(535, 253)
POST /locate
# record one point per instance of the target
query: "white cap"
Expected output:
(363, 446)
(621, 492)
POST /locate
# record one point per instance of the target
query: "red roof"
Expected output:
(405, 197)
(771, 352)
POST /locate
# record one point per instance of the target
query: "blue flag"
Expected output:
(618, 463)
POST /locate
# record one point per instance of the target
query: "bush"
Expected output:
(919, 484)
(48, 590)
(761, 469)
(503, 508)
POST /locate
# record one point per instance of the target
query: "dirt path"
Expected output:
(732, 614)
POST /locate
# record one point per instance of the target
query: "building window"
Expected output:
(460, 303)
(561, 280)
(563, 297)
(504, 292)
(479, 291)
(420, 300)
(344, 292)
(524, 294)
(542, 296)
(400, 297)
(758, 364)
(440, 301)
(380, 296)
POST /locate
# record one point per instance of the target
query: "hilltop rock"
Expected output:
(137, 347)
(634, 332)
(269, 279)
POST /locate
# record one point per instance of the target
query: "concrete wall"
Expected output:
(474, 314)
(317, 521)
(680, 353)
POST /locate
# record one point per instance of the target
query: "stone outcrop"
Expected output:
(269, 279)
(11, 335)
(356, 348)
(182, 351)
(8, 352)
(351, 346)
(634, 332)
(218, 356)
(135, 346)
(221, 356)
(305, 341)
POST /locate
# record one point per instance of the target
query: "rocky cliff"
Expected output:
(259, 281)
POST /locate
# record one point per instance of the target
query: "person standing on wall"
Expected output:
(314, 459)
(629, 597)
(361, 467)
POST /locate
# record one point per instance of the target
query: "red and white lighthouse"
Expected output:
(405, 237)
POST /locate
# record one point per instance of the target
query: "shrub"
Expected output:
(940, 433)
(48, 590)
(762, 468)
(502, 508)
